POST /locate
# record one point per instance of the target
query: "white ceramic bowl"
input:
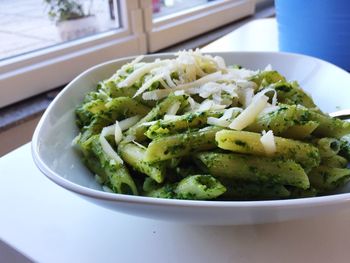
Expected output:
(53, 154)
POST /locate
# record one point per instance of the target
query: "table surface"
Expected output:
(42, 222)
(258, 35)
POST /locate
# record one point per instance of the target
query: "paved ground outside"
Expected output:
(25, 26)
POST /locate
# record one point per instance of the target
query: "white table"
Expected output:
(39, 221)
(258, 35)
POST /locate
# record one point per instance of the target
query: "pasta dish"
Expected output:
(192, 127)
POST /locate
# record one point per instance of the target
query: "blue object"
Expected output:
(319, 28)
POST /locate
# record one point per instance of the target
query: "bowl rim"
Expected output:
(101, 195)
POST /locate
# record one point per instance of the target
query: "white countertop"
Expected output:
(258, 35)
(42, 222)
(49, 224)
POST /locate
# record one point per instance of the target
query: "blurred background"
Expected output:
(29, 25)
(44, 44)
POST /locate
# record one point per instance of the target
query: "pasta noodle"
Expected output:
(190, 127)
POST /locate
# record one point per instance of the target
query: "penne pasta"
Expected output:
(249, 143)
(255, 169)
(167, 147)
(190, 127)
(134, 155)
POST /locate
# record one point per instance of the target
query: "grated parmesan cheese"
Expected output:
(122, 70)
(221, 89)
(149, 123)
(268, 141)
(147, 84)
(268, 67)
(138, 73)
(274, 98)
(245, 96)
(207, 105)
(129, 138)
(109, 130)
(193, 104)
(229, 112)
(118, 135)
(162, 93)
(139, 144)
(168, 117)
(225, 119)
(107, 148)
(116, 130)
(129, 122)
(218, 122)
(174, 108)
(249, 114)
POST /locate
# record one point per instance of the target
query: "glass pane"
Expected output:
(27, 25)
(170, 7)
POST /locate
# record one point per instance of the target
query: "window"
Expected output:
(170, 21)
(50, 59)
(39, 24)
(55, 60)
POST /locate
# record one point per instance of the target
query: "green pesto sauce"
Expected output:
(325, 176)
(174, 149)
(313, 155)
(283, 88)
(240, 143)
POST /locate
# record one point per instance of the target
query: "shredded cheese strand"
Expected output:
(174, 108)
(118, 135)
(162, 93)
(147, 84)
(138, 73)
(129, 122)
(249, 114)
(107, 148)
(116, 130)
(218, 122)
(268, 141)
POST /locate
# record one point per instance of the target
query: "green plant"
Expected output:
(61, 10)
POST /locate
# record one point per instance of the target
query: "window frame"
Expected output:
(165, 31)
(30, 74)
(42, 70)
